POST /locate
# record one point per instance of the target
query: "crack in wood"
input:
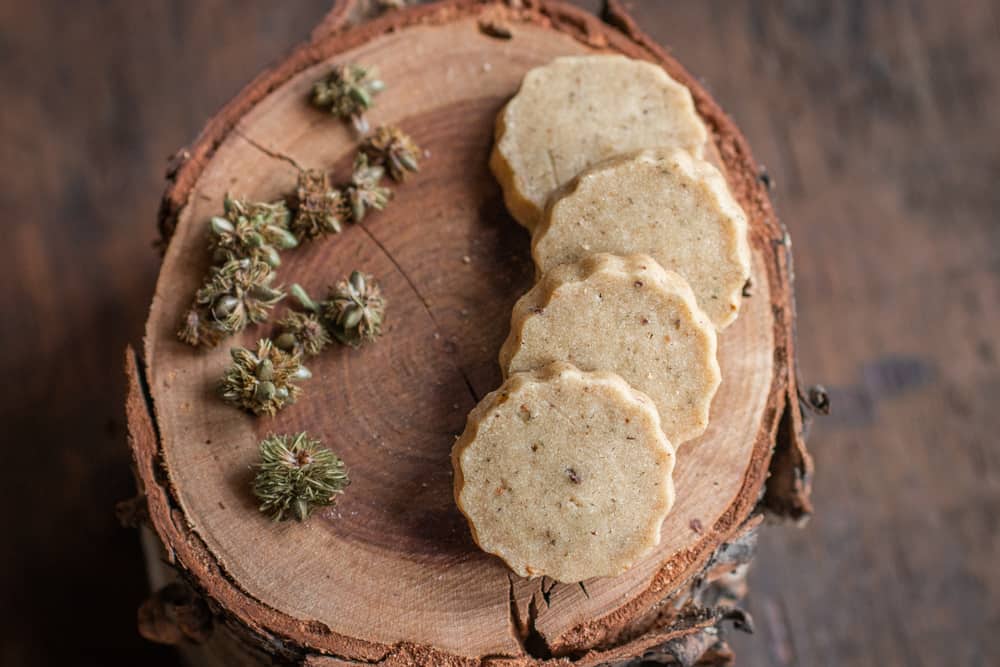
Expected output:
(144, 390)
(534, 642)
(547, 592)
(516, 627)
(277, 155)
(423, 301)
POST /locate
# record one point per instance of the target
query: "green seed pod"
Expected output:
(264, 392)
(357, 281)
(351, 316)
(225, 307)
(221, 226)
(282, 238)
(286, 342)
(300, 295)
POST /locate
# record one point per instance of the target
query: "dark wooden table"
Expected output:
(878, 123)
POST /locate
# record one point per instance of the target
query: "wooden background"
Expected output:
(878, 122)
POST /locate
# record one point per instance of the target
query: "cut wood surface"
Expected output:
(876, 124)
(393, 564)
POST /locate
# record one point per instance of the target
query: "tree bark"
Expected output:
(390, 576)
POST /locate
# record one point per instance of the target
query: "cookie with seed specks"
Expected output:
(664, 203)
(564, 473)
(580, 110)
(629, 316)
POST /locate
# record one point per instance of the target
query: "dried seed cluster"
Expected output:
(302, 333)
(263, 381)
(352, 312)
(347, 92)
(245, 244)
(390, 147)
(235, 295)
(320, 208)
(297, 475)
(251, 230)
(354, 309)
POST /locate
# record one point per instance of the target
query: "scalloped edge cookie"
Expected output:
(627, 315)
(661, 202)
(579, 110)
(564, 473)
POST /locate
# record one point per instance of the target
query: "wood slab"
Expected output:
(391, 570)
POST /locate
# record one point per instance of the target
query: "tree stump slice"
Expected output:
(390, 575)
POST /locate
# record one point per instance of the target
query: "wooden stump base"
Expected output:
(391, 575)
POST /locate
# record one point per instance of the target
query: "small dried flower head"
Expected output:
(238, 293)
(263, 381)
(196, 331)
(296, 475)
(364, 192)
(355, 309)
(390, 147)
(251, 230)
(347, 92)
(302, 334)
(235, 295)
(320, 208)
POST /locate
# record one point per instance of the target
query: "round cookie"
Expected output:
(661, 202)
(577, 111)
(627, 315)
(564, 473)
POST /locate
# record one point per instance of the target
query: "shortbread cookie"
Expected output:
(577, 111)
(664, 203)
(564, 473)
(629, 316)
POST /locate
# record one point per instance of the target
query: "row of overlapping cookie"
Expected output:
(641, 256)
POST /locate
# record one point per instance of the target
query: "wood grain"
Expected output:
(874, 121)
(395, 555)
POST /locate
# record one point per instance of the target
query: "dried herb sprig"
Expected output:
(296, 475)
(390, 147)
(264, 381)
(320, 208)
(251, 230)
(235, 295)
(364, 192)
(354, 310)
(347, 92)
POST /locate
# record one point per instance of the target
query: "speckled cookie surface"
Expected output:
(564, 473)
(665, 203)
(577, 111)
(629, 316)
